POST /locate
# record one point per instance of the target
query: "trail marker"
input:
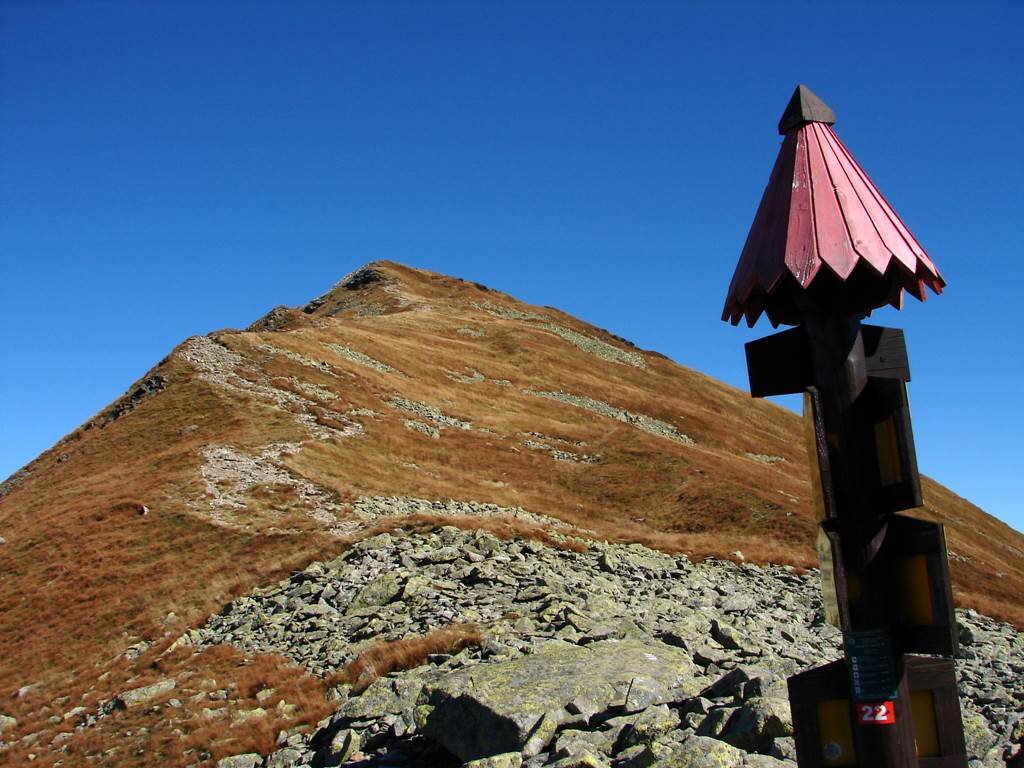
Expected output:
(825, 249)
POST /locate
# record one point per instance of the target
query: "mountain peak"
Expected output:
(400, 398)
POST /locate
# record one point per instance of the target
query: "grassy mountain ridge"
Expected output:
(244, 454)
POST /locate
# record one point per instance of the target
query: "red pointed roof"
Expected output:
(823, 237)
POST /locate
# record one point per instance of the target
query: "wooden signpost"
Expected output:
(825, 249)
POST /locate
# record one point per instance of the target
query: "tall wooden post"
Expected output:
(824, 250)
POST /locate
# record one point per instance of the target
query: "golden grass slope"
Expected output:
(399, 382)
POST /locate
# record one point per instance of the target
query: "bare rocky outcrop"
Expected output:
(220, 366)
(641, 421)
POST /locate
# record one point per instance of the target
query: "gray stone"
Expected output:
(250, 760)
(757, 722)
(342, 746)
(288, 757)
(506, 760)
(242, 715)
(728, 685)
(574, 742)
(977, 735)
(716, 721)
(380, 591)
(648, 726)
(701, 752)
(506, 701)
(136, 696)
(7, 723)
(582, 759)
(727, 635)
(737, 604)
(763, 761)
(382, 697)
(783, 748)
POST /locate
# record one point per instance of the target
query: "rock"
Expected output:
(573, 742)
(728, 685)
(137, 696)
(288, 757)
(7, 723)
(648, 726)
(977, 735)
(384, 696)
(764, 761)
(701, 752)
(506, 760)
(380, 591)
(608, 561)
(506, 701)
(25, 690)
(240, 761)
(716, 721)
(757, 722)
(580, 760)
(342, 746)
(541, 735)
(638, 756)
(737, 604)
(380, 541)
(783, 748)
(727, 635)
(241, 715)
(688, 632)
(264, 695)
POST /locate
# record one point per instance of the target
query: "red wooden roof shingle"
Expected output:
(823, 238)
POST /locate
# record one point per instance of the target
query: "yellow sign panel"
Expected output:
(887, 441)
(836, 733)
(922, 711)
(916, 590)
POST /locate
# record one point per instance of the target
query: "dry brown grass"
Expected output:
(407, 653)
(187, 725)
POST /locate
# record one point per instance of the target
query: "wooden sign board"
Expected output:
(906, 584)
(827, 721)
(781, 364)
(879, 427)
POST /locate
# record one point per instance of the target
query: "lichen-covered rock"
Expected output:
(764, 761)
(380, 591)
(289, 757)
(251, 760)
(506, 702)
(571, 742)
(136, 696)
(6, 723)
(506, 760)
(977, 735)
(757, 722)
(648, 726)
(580, 760)
(701, 752)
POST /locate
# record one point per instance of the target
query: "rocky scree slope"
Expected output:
(399, 398)
(613, 656)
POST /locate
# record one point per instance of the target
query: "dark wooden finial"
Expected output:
(805, 107)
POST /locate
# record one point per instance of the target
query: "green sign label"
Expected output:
(869, 660)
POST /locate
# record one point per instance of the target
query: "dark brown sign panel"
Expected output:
(926, 713)
(906, 583)
(880, 428)
(781, 364)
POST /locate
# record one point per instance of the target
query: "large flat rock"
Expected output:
(515, 706)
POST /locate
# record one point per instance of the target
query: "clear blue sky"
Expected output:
(171, 168)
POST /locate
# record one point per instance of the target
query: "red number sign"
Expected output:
(876, 713)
